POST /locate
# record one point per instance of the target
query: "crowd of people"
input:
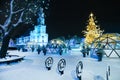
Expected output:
(58, 49)
(99, 51)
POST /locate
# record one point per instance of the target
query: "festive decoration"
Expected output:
(57, 42)
(61, 66)
(49, 63)
(79, 69)
(92, 31)
(111, 43)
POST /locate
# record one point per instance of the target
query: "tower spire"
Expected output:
(41, 19)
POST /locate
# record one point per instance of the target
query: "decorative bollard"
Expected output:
(108, 73)
(49, 63)
(108, 70)
(79, 69)
(61, 66)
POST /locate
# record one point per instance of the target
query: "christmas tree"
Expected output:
(92, 30)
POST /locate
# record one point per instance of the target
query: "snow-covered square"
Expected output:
(33, 67)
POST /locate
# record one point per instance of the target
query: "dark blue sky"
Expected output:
(69, 17)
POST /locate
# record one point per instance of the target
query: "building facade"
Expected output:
(38, 36)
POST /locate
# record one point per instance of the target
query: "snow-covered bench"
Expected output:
(11, 58)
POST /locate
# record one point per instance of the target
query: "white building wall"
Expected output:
(38, 35)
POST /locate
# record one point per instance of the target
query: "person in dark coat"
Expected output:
(32, 48)
(60, 51)
(83, 51)
(44, 50)
(39, 49)
(100, 52)
(87, 50)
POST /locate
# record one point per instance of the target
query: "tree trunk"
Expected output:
(4, 46)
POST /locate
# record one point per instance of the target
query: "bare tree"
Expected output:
(16, 12)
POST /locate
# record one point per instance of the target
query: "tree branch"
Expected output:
(2, 28)
(1, 25)
(8, 20)
(19, 20)
(17, 11)
(11, 7)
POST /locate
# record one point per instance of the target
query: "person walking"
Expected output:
(44, 50)
(100, 52)
(83, 51)
(39, 49)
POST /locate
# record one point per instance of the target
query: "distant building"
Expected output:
(12, 43)
(38, 36)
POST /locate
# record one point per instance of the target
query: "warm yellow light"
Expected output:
(92, 31)
(58, 42)
(52, 41)
(91, 14)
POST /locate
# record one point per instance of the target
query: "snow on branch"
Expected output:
(11, 6)
(11, 13)
(17, 11)
(1, 26)
(19, 20)
(8, 20)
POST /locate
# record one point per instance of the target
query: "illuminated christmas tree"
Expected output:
(93, 31)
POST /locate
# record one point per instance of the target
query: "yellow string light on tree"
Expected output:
(92, 30)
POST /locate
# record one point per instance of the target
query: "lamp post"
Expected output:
(108, 73)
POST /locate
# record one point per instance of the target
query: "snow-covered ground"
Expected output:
(33, 67)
